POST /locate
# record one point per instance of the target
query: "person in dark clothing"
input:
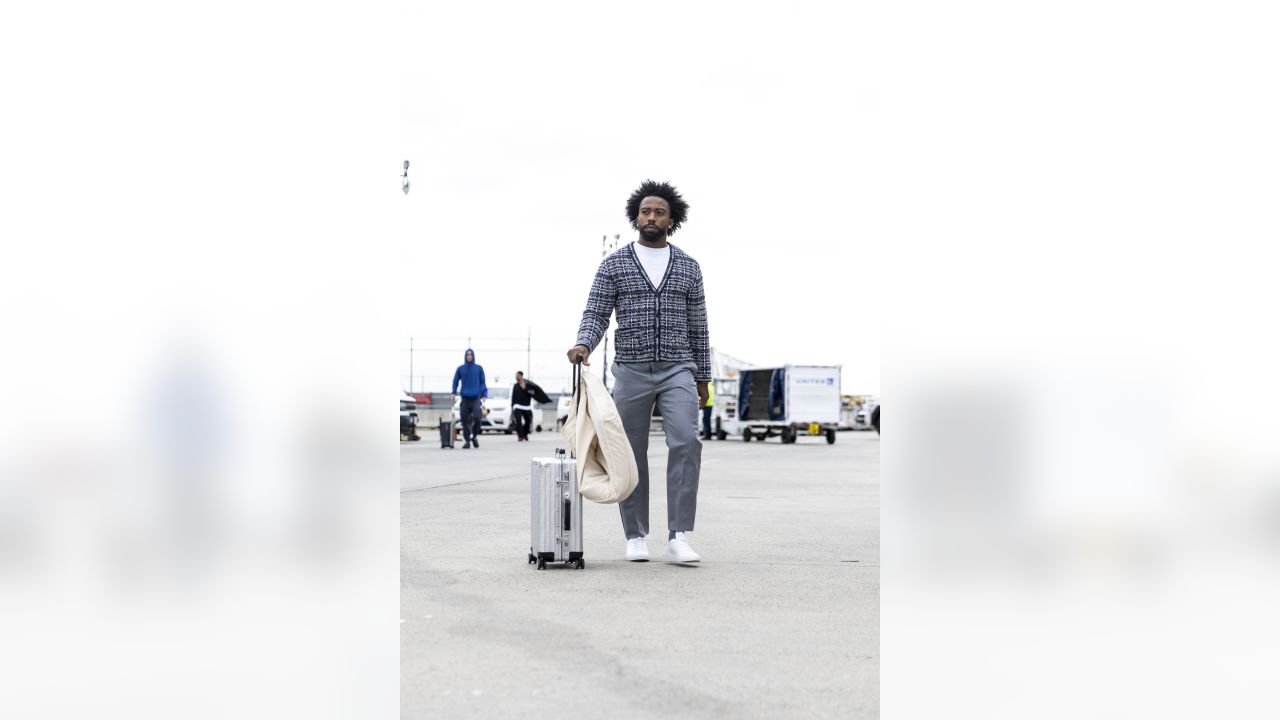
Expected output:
(706, 411)
(470, 377)
(523, 395)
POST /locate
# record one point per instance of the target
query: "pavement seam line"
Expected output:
(464, 482)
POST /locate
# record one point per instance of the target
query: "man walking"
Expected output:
(471, 377)
(523, 395)
(663, 359)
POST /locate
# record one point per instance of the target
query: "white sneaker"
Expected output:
(636, 550)
(678, 550)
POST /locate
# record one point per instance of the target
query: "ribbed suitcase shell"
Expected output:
(555, 499)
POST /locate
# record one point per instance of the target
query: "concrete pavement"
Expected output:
(780, 619)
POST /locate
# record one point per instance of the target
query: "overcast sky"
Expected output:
(526, 136)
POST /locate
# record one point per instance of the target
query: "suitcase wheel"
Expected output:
(542, 564)
(532, 559)
(581, 563)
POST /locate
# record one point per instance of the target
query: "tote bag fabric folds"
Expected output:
(607, 471)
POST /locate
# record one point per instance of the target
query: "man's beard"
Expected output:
(651, 233)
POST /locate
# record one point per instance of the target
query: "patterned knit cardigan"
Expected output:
(667, 324)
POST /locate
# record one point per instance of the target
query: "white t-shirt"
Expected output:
(654, 261)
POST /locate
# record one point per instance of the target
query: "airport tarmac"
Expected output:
(779, 620)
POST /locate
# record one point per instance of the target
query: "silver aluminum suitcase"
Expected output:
(556, 512)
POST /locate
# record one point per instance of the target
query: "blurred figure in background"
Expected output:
(523, 393)
(468, 380)
(706, 411)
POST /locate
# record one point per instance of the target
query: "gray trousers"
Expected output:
(669, 385)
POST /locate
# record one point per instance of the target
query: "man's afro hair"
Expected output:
(679, 208)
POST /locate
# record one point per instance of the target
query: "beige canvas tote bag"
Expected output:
(607, 471)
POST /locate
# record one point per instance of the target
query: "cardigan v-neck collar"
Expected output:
(671, 262)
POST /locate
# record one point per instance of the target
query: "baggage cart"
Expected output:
(785, 401)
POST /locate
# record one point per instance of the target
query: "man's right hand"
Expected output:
(577, 350)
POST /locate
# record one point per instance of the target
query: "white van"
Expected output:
(862, 417)
(495, 411)
(562, 410)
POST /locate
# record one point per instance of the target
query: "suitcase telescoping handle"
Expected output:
(567, 480)
(577, 389)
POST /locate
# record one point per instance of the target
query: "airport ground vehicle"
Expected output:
(862, 420)
(724, 404)
(786, 401)
(562, 409)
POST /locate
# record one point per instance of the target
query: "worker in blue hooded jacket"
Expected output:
(471, 377)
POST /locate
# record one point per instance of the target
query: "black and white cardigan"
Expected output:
(663, 324)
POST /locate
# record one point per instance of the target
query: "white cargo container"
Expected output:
(809, 403)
